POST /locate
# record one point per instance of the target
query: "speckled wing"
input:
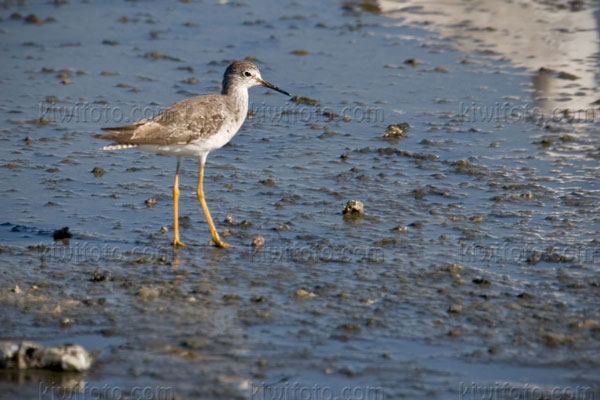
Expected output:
(184, 122)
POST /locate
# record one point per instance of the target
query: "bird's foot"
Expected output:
(178, 243)
(219, 243)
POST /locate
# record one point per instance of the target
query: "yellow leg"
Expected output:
(176, 242)
(200, 192)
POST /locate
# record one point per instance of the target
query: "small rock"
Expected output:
(17, 289)
(300, 52)
(261, 363)
(374, 323)
(401, 229)
(231, 297)
(396, 131)
(258, 241)
(62, 234)
(556, 339)
(268, 182)
(585, 324)
(190, 81)
(26, 355)
(98, 172)
(305, 100)
(454, 269)
(34, 19)
(455, 332)
(525, 296)
(330, 115)
(527, 195)
(148, 293)
(349, 327)
(413, 62)
(150, 202)
(481, 281)
(226, 232)
(455, 309)
(440, 69)
(283, 227)
(41, 121)
(354, 208)
(100, 276)
(194, 343)
(164, 230)
(304, 294)
(230, 220)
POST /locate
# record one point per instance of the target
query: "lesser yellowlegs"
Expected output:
(193, 128)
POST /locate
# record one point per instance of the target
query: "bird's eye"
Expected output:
(248, 74)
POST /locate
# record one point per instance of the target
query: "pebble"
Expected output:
(230, 220)
(98, 172)
(304, 294)
(556, 339)
(481, 281)
(396, 131)
(354, 208)
(258, 241)
(349, 327)
(585, 324)
(455, 309)
(455, 269)
(26, 355)
(477, 219)
(148, 293)
(455, 332)
(62, 234)
(413, 62)
(262, 363)
(305, 100)
(150, 202)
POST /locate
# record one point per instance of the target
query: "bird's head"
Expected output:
(245, 74)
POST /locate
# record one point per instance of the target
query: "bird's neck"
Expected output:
(238, 95)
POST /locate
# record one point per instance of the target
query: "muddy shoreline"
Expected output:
(473, 266)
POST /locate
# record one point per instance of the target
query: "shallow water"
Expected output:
(485, 179)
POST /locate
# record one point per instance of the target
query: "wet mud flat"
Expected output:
(472, 268)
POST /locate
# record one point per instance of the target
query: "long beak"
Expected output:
(271, 86)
